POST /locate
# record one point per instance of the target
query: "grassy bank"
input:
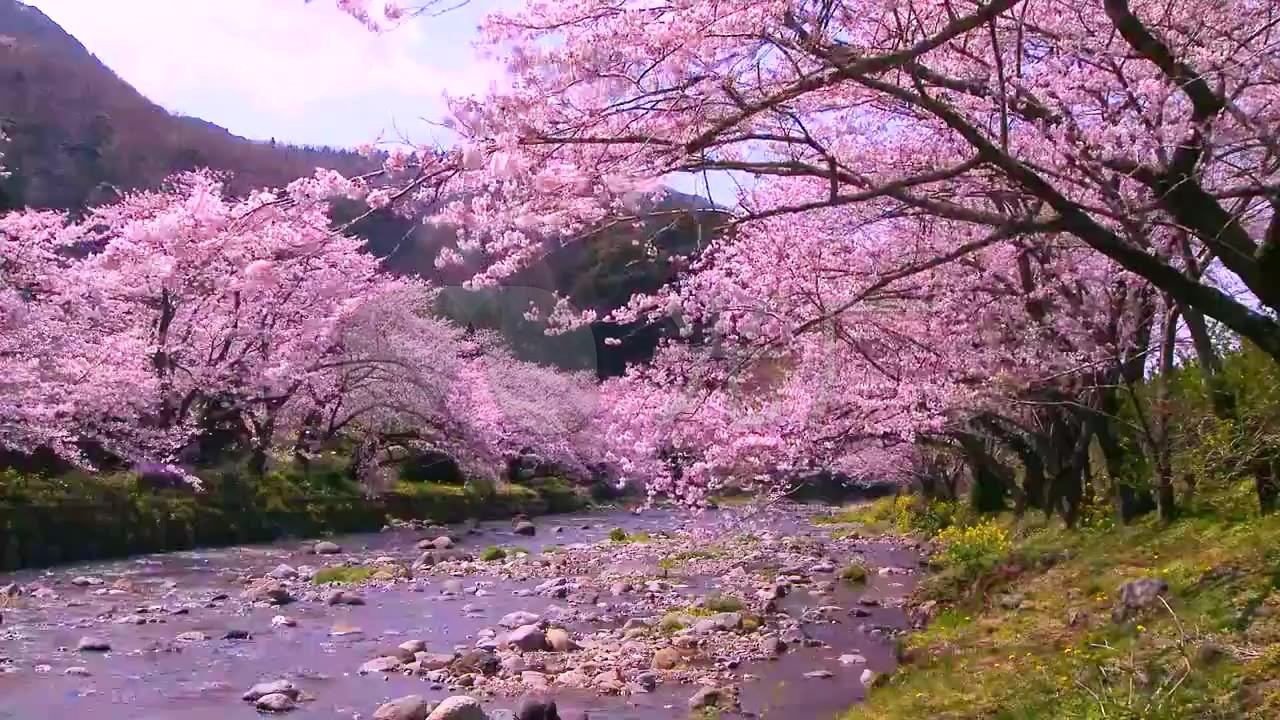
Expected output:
(1024, 624)
(51, 520)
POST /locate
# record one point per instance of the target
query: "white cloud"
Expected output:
(254, 65)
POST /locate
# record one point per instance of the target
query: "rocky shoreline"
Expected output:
(696, 614)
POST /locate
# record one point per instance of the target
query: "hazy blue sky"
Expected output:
(299, 72)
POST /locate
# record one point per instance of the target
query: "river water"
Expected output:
(147, 675)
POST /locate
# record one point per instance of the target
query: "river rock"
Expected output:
(519, 618)
(275, 702)
(444, 542)
(388, 663)
(434, 661)
(77, 671)
(276, 687)
(537, 707)
(268, 591)
(709, 698)
(772, 646)
(237, 634)
(559, 640)
(283, 621)
(414, 646)
(343, 597)
(528, 638)
(819, 674)
(481, 661)
(458, 707)
(667, 659)
(89, 643)
(525, 528)
(409, 707)
(325, 547)
(868, 678)
(426, 559)
(647, 681)
(86, 581)
(192, 636)
(283, 572)
(452, 586)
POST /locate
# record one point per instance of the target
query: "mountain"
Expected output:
(79, 134)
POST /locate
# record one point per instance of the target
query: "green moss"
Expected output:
(517, 550)
(854, 574)
(492, 553)
(350, 575)
(618, 535)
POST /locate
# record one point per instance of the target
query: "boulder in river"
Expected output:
(409, 707)
(537, 707)
(519, 618)
(476, 661)
(275, 702)
(444, 542)
(89, 643)
(388, 663)
(325, 547)
(275, 687)
(712, 698)
(458, 707)
(343, 597)
(525, 528)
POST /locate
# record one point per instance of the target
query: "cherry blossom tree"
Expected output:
(1034, 168)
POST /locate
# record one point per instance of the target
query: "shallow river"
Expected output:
(149, 676)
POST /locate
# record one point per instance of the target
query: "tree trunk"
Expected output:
(1266, 478)
(1165, 504)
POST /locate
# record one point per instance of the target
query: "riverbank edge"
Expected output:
(53, 521)
(1059, 627)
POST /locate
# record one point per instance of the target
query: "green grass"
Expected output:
(1060, 655)
(492, 553)
(352, 575)
(621, 537)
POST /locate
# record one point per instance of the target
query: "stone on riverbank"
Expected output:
(528, 638)
(268, 591)
(409, 707)
(458, 707)
(525, 528)
(343, 597)
(559, 640)
(325, 547)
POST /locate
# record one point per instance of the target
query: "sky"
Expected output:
(299, 72)
(296, 71)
